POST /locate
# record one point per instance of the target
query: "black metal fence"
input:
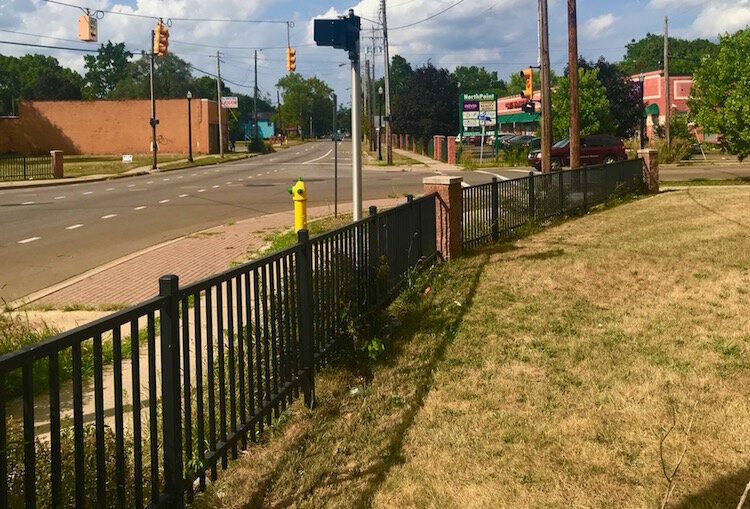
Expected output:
(498, 209)
(181, 381)
(25, 167)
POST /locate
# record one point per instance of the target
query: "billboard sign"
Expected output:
(229, 103)
(478, 110)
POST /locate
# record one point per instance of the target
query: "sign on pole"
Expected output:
(478, 114)
(229, 103)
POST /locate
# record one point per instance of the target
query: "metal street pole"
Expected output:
(380, 122)
(575, 129)
(153, 102)
(356, 139)
(255, 100)
(387, 77)
(190, 129)
(335, 160)
(218, 104)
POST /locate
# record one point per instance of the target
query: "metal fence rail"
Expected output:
(25, 167)
(498, 209)
(184, 380)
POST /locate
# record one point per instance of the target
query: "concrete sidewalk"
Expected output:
(134, 278)
(430, 162)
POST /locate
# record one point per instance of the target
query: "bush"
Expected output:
(259, 146)
(680, 150)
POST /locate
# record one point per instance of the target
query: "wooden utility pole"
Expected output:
(218, 104)
(386, 71)
(575, 128)
(255, 100)
(546, 88)
(278, 113)
(366, 89)
(667, 99)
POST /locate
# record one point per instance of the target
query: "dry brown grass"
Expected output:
(543, 374)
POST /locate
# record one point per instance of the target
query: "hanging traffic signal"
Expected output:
(291, 59)
(87, 28)
(528, 76)
(529, 108)
(161, 40)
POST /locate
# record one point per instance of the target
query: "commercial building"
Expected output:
(111, 127)
(654, 97)
(512, 119)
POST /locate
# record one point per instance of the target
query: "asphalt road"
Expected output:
(50, 234)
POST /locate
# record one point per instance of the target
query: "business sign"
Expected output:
(229, 103)
(478, 110)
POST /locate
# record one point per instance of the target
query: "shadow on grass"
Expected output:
(724, 492)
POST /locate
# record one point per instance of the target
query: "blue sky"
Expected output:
(499, 34)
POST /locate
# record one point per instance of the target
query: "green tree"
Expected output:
(622, 93)
(595, 115)
(721, 93)
(36, 77)
(306, 103)
(647, 54)
(475, 79)
(400, 72)
(105, 69)
(428, 105)
(172, 79)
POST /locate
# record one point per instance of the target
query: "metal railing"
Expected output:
(498, 209)
(181, 381)
(25, 167)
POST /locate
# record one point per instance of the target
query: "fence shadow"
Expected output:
(724, 492)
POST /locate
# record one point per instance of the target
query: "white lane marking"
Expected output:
(183, 195)
(260, 174)
(271, 160)
(179, 177)
(319, 158)
(201, 190)
(499, 177)
(165, 179)
(217, 171)
(140, 208)
(110, 189)
(163, 201)
(194, 175)
(59, 197)
(275, 171)
(150, 182)
(131, 185)
(73, 226)
(109, 216)
(30, 239)
(28, 203)
(88, 192)
(215, 187)
(229, 183)
(297, 153)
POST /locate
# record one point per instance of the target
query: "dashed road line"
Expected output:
(229, 183)
(110, 189)
(201, 190)
(183, 196)
(30, 239)
(163, 201)
(59, 197)
(131, 185)
(150, 182)
(165, 179)
(73, 226)
(140, 208)
(28, 203)
(215, 187)
(109, 216)
(88, 192)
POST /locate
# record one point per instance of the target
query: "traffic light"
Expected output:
(161, 40)
(291, 59)
(528, 75)
(529, 107)
(87, 28)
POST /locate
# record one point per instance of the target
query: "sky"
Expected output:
(500, 35)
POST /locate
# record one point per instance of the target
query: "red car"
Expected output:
(595, 149)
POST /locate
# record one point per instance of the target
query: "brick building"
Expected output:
(655, 100)
(512, 119)
(110, 127)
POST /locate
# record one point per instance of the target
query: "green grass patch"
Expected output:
(204, 161)
(742, 181)
(81, 166)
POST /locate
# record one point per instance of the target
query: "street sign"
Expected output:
(229, 103)
(478, 110)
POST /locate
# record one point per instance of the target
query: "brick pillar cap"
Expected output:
(53, 152)
(648, 151)
(442, 179)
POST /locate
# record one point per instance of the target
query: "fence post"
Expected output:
(495, 211)
(24, 167)
(372, 256)
(532, 197)
(170, 372)
(56, 160)
(305, 303)
(448, 214)
(562, 193)
(585, 189)
(650, 159)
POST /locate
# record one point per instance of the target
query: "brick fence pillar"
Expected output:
(439, 147)
(448, 213)
(451, 150)
(650, 169)
(406, 142)
(424, 146)
(57, 163)
(400, 141)
(414, 144)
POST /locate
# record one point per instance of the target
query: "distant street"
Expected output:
(50, 234)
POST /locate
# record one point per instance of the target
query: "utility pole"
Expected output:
(255, 100)
(356, 135)
(372, 91)
(153, 101)
(335, 160)
(218, 104)
(575, 128)
(546, 89)
(366, 86)
(386, 71)
(667, 99)
(278, 112)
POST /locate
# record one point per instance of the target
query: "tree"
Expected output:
(306, 102)
(428, 105)
(105, 69)
(172, 79)
(622, 93)
(595, 116)
(721, 93)
(647, 55)
(475, 79)
(36, 77)
(400, 72)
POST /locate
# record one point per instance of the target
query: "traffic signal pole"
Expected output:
(356, 138)
(153, 102)
(387, 79)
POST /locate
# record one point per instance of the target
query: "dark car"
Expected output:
(595, 149)
(518, 141)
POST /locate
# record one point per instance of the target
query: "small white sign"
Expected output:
(127, 158)
(229, 103)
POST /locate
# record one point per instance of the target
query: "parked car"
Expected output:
(595, 149)
(518, 141)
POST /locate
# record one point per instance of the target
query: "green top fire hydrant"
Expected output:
(299, 195)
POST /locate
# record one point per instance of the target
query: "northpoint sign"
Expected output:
(477, 111)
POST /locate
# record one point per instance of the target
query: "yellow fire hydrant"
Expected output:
(299, 195)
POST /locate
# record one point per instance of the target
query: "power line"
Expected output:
(85, 50)
(429, 17)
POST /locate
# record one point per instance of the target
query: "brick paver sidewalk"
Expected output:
(197, 256)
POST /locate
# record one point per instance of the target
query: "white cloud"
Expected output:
(721, 17)
(599, 25)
